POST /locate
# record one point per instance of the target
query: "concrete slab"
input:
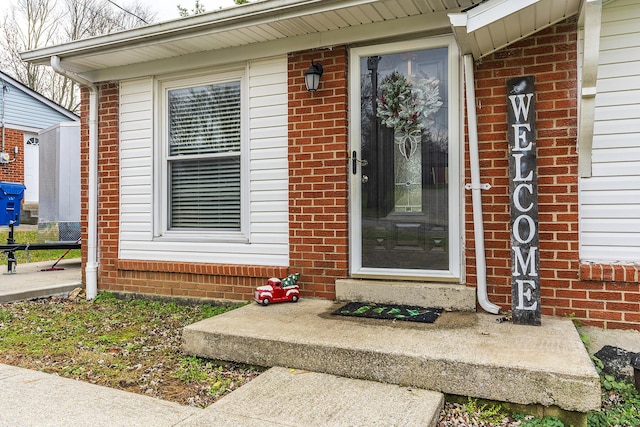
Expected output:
(30, 281)
(438, 295)
(598, 338)
(30, 398)
(283, 397)
(466, 354)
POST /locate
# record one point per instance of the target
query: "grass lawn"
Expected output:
(131, 344)
(31, 236)
(135, 345)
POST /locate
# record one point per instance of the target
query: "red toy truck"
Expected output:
(273, 291)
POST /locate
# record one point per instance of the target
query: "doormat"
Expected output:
(390, 311)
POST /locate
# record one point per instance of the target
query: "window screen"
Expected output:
(204, 157)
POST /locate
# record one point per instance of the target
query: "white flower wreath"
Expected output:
(404, 106)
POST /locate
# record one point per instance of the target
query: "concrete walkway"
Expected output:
(278, 397)
(29, 281)
(31, 398)
(284, 397)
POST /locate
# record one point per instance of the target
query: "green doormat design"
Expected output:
(389, 311)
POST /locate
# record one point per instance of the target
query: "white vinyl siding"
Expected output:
(136, 159)
(267, 240)
(610, 199)
(25, 109)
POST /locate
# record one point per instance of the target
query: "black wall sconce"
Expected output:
(312, 76)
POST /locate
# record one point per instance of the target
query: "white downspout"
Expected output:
(475, 186)
(91, 269)
(592, 15)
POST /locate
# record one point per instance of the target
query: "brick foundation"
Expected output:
(217, 281)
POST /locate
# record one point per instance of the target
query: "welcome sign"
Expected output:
(525, 256)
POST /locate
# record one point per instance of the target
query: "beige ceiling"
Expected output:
(497, 23)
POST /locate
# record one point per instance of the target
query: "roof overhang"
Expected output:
(35, 95)
(281, 26)
(494, 24)
(289, 25)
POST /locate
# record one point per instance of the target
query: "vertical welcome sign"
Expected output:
(523, 177)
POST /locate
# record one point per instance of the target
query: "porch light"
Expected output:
(312, 76)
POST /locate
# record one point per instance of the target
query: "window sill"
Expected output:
(202, 237)
(598, 272)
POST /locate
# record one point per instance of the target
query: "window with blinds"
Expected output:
(204, 149)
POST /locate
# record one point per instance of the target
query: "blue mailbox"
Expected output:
(11, 194)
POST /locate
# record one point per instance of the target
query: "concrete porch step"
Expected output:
(466, 354)
(452, 296)
(29, 213)
(283, 397)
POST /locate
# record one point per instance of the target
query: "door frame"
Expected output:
(456, 162)
(32, 191)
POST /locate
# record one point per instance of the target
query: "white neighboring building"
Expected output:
(23, 114)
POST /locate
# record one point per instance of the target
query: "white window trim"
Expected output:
(160, 217)
(456, 141)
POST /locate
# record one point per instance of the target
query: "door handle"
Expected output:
(365, 179)
(354, 162)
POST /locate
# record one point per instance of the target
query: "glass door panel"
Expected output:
(404, 160)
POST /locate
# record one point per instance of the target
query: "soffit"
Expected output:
(494, 24)
(250, 24)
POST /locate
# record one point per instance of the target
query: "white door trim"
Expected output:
(31, 158)
(456, 141)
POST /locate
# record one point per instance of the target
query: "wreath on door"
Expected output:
(405, 106)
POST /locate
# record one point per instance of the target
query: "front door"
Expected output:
(405, 218)
(31, 167)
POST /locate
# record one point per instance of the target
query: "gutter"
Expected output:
(91, 269)
(250, 14)
(475, 187)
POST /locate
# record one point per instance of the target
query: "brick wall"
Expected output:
(108, 180)
(593, 294)
(84, 175)
(218, 281)
(13, 172)
(109, 183)
(318, 172)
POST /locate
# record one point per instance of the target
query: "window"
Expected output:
(203, 152)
